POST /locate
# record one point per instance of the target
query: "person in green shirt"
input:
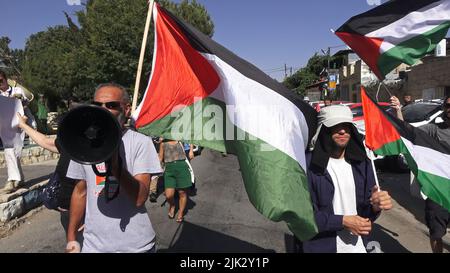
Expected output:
(42, 114)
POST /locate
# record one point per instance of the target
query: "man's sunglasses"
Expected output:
(447, 105)
(109, 104)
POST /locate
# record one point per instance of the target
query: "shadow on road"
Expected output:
(37, 180)
(398, 187)
(289, 242)
(191, 238)
(386, 239)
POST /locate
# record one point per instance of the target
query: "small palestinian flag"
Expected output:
(427, 158)
(201, 93)
(399, 31)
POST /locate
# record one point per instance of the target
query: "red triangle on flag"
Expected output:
(180, 73)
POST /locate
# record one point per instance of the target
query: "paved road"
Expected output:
(221, 219)
(33, 173)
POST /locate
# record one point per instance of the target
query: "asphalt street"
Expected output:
(220, 218)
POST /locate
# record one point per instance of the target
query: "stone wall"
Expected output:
(31, 155)
(433, 73)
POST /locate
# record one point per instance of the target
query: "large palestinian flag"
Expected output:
(201, 93)
(399, 31)
(427, 158)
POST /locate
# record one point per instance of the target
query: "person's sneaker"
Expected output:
(153, 197)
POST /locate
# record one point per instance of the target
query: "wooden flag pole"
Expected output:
(141, 58)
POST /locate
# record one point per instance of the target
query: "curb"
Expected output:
(7, 228)
(20, 202)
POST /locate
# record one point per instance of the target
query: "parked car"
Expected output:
(422, 113)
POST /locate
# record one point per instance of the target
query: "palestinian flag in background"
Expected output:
(225, 103)
(427, 158)
(399, 31)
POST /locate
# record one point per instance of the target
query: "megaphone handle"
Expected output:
(108, 165)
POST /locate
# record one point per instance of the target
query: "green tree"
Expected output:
(48, 63)
(105, 47)
(306, 75)
(12, 58)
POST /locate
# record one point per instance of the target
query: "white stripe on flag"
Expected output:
(429, 160)
(412, 25)
(277, 121)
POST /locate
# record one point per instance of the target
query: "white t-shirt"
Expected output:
(118, 226)
(344, 203)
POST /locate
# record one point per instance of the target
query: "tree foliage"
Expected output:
(105, 47)
(12, 58)
(306, 75)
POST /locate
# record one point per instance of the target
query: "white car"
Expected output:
(422, 113)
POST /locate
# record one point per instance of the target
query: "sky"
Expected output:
(269, 34)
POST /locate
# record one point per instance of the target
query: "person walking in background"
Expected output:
(42, 114)
(176, 176)
(407, 99)
(13, 154)
(66, 184)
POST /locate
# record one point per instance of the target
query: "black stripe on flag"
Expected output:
(383, 15)
(204, 44)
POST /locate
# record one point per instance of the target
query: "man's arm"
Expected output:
(137, 187)
(380, 200)
(161, 152)
(395, 104)
(41, 139)
(77, 210)
(191, 151)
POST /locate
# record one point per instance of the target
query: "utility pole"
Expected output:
(291, 71)
(285, 71)
(328, 57)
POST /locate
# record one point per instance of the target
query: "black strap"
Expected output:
(107, 174)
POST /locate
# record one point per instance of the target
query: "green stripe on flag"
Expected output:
(275, 183)
(412, 50)
(392, 148)
(437, 188)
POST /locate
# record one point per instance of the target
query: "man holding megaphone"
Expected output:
(120, 223)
